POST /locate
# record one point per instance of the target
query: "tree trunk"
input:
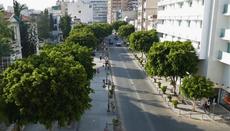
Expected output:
(193, 105)
(17, 127)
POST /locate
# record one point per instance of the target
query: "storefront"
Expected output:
(224, 98)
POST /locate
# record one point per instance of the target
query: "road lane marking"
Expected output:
(137, 95)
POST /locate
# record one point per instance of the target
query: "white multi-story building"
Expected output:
(147, 14)
(206, 24)
(99, 10)
(81, 11)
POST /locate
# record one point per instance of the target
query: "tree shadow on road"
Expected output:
(132, 73)
(158, 118)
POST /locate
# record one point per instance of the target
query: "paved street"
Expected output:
(96, 117)
(141, 109)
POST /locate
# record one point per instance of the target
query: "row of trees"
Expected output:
(89, 35)
(52, 86)
(175, 60)
(178, 60)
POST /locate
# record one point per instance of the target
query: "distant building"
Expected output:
(115, 8)
(99, 10)
(81, 11)
(147, 14)
(55, 17)
(15, 42)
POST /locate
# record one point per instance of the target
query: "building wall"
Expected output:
(204, 24)
(218, 69)
(99, 10)
(185, 20)
(81, 10)
(146, 14)
(116, 7)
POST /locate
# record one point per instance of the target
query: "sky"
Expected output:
(32, 4)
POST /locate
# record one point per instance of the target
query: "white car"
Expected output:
(118, 43)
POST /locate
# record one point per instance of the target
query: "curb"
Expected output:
(167, 104)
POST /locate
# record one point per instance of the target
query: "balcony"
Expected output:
(225, 34)
(224, 57)
(226, 10)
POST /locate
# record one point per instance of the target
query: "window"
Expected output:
(201, 24)
(90, 6)
(228, 50)
(190, 4)
(189, 23)
(181, 4)
(179, 22)
(202, 2)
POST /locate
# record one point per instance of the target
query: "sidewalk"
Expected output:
(96, 118)
(217, 112)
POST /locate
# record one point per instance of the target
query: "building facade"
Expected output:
(15, 42)
(115, 8)
(99, 10)
(147, 14)
(206, 24)
(81, 11)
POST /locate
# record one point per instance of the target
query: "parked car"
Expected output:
(118, 43)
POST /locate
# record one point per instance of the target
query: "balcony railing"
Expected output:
(224, 57)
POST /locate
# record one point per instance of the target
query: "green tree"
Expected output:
(143, 40)
(28, 45)
(5, 37)
(172, 59)
(117, 24)
(18, 8)
(196, 87)
(47, 88)
(125, 30)
(44, 25)
(100, 30)
(79, 53)
(83, 38)
(65, 24)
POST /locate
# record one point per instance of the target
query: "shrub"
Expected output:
(159, 84)
(163, 89)
(116, 122)
(170, 98)
(175, 103)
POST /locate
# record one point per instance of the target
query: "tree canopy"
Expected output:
(172, 59)
(125, 30)
(196, 88)
(44, 25)
(117, 24)
(83, 38)
(79, 53)
(5, 36)
(46, 88)
(65, 24)
(143, 40)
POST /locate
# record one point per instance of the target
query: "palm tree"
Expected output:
(18, 8)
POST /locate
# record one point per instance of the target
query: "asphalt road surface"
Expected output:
(140, 109)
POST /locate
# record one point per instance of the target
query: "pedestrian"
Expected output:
(208, 105)
(100, 57)
(106, 127)
(98, 71)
